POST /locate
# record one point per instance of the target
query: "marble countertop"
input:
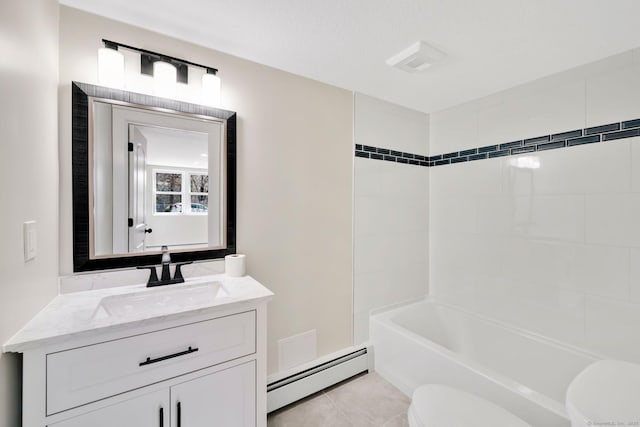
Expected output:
(81, 314)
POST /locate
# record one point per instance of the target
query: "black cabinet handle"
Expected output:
(161, 417)
(149, 360)
(179, 414)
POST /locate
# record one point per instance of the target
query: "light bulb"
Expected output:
(211, 90)
(110, 68)
(164, 79)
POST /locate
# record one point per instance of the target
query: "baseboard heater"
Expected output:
(293, 388)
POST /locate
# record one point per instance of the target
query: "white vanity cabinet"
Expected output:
(196, 368)
(226, 398)
(150, 410)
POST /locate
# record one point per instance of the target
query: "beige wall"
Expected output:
(28, 173)
(294, 176)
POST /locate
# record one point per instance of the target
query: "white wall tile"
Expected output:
(451, 258)
(382, 124)
(612, 328)
(469, 179)
(368, 177)
(454, 214)
(612, 219)
(403, 215)
(593, 168)
(554, 110)
(599, 270)
(497, 215)
(612, 96)
(453, 130)
(550, 311)
(534, 263)
(556, 248)
(549, 217)
(634, 275)
(635, 164)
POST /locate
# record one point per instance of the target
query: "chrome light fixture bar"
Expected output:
(148, 58)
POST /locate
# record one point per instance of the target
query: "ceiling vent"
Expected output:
(417, 57)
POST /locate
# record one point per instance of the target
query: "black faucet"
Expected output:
(165, 278)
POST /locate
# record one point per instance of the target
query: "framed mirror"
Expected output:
(149, 172)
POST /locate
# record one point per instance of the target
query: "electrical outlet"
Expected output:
(30, 240)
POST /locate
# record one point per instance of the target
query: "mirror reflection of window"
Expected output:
(171, 189)
(168, 191)
(199, 193)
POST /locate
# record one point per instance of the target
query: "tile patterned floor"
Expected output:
(366, 400)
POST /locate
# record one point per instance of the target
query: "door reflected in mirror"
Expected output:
(158, 179)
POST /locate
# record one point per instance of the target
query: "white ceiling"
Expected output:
(175, 147)
(491, 44)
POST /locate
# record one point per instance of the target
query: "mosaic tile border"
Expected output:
(595, 134)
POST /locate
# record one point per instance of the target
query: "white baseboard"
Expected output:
(312, 379)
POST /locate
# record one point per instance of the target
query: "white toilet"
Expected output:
(605, 393)
(435, 405)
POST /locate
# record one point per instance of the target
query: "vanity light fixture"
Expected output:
(166, 71)
(165, 77)
(110, 66)
(211, 88)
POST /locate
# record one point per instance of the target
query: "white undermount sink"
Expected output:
(157, 301)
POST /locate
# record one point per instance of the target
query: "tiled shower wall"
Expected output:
(549, 240)
(391, 210)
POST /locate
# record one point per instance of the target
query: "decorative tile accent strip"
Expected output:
(631, 124)
(566, 135)
(622, 134)
(591, 135)
(513, 144)
(601, 129)
(537, 140)
(584, 140)
(529, 149)
(499, 153)
(551, 145)
(487, 149)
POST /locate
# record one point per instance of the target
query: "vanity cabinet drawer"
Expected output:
(86, 374)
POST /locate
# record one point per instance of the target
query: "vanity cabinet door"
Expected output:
(149, 410)
(226, 398)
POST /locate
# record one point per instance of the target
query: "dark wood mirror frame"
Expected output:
(81, 92)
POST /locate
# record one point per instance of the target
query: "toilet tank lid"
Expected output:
(607, 391)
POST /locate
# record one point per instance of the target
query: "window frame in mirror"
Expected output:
(81, 127)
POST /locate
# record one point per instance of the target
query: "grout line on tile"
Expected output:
(386, 423)
(338, 408)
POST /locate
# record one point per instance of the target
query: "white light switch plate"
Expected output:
(30, 240)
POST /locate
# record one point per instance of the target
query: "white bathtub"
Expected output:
(431, 342)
